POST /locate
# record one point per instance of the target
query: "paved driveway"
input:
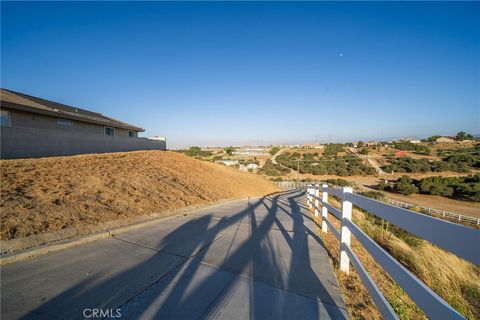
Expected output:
(240, 260)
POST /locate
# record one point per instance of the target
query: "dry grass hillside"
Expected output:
(50, 194)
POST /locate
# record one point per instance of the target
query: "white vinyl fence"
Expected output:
(289, 185)
(458, 239)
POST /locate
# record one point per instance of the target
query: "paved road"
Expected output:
(370, 160)
(239, 260)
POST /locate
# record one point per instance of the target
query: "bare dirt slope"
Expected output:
(49, 194)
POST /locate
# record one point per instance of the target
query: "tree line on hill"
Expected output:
(461, 136)
(459, 187)
(272, 169)
(457, 160)
(408, 146)
(311, 163)
(196, 152)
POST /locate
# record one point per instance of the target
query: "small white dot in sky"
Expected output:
(340, 54)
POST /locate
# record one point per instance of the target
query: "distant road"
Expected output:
(274, 157)
(258, 259)
(371, 161)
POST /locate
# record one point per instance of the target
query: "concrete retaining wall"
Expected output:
(33, 143)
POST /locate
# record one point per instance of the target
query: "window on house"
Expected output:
(64, 122)
(131, 134)
(5, 120)
(109, 131)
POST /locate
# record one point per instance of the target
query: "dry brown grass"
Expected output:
(452, 278)
(49, 194)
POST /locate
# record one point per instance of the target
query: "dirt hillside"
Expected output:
(48, 194)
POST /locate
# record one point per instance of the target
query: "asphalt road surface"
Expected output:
(257, 259)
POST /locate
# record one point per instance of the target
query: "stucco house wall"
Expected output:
(35, 142)
(35, 127)
(23, 119)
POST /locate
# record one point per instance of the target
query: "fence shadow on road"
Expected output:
(182, 293)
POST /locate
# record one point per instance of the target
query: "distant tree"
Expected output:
(193, 151)
(274, 150)
(333, 149)
(405, 186)
(364, 151)
(382, 185)
(433, 138)
(377, 195)
(197, 152)
(462, 135)
(436, 186)
(229, 150)
(360, 144)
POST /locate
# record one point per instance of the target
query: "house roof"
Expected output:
(20, 101)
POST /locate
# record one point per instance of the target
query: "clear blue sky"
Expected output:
(253, 73)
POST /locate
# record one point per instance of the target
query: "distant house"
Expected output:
(400, 154)
(410, 140)
(248, 167)
(252, 166)
(160, 138)
(35, 127)
(313, 146)
(283, 145)
(445, 139)
(251, 151)
(228, 163)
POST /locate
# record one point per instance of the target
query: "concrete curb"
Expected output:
(61, 244)
(29, 253)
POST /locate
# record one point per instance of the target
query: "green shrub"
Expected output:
(333, 149)
(229, 150)
(196, 152)
(405, 186)
(435, 186)
(452, 162)
(382, 185)
(377, 195)
(271, 169)
(464, 187)
(341, 183)
(274, 150)
(408, 146)
(313, 164)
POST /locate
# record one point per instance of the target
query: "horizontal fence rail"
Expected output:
(289, 185)
(458, 239)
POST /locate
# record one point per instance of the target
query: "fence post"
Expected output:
(345, 232)
(317, 187)
(312, 191)
(309, 196)
(324, 209)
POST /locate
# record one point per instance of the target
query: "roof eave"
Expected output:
(64, 115)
